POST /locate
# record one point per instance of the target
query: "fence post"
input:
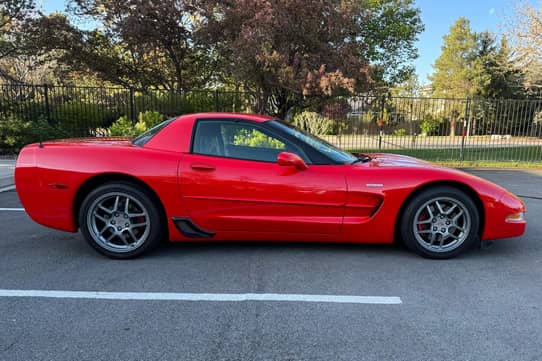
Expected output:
(47, 105)
(463, 131)
(381, 121)
(217, 105)
(132, 106)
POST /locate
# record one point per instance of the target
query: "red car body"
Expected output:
(237, 199)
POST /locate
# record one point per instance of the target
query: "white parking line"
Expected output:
(212, 297)
(6, 188)
(12, 209)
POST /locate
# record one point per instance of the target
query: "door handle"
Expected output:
(202, 166)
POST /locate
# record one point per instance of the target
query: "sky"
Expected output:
(437, 16)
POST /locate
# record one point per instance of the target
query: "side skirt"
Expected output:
(189, 229)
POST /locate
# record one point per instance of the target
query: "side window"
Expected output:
(238, 140)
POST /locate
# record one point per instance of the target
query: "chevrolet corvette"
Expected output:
(225, 176)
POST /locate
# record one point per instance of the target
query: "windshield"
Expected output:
(331, 151)
(145, 137)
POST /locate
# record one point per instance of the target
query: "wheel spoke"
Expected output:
(439, 207)
(451, 209)
(430, 211)
(135, 225)
(105, 209)
(461, 229)
(123, 238)
(126, 205)
(111, 236)
(116, 206)
(133, 215)
(132, 234)
(100, 217)
(456, 217)
(424, 221)
(104, 229)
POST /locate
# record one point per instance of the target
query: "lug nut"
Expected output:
(435, 228)
(447, 223)
(119, 228)
(127, 224)
(112, 222)
(434, 220)
(443, 230)
(125, 215)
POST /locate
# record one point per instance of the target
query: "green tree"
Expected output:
(13, 13)
(496, 75)
(455, 68)
(138, 43)
(286, 50)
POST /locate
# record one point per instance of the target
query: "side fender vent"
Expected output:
(189, 229)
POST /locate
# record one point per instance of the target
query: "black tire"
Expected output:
(437, 226)
(128, 239)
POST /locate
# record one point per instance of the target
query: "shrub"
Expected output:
(16, 133)
(123, 127)
(79, 118)
(399, 132)
(255, 138)
(313, 123)
(429, 125)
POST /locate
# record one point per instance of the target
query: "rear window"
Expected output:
(145, 137)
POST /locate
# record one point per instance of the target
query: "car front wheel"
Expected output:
(120, 220)
(440, 223)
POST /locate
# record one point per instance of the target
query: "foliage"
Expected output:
(474, 64)
(123, 127)
(79, 118)
(140, 43)
(429, 125)
(15, 133)
(255, 138)
(523, 27)
(11, 13)
(313, 123)
(399, 132)
(454, 68)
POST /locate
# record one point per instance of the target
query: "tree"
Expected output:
(456, 68)
(138, 43)
(285, 50)
(496, 76)
(12, 15)
(524, 29)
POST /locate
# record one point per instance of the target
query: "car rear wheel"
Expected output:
(121, 220)
(440, 223)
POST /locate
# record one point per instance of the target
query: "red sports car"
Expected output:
(223, 176)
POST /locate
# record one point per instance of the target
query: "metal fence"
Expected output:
(431, 128)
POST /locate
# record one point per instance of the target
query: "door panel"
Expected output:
(224, 194)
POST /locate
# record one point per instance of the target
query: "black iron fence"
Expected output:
(479, 130)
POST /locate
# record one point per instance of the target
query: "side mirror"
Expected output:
(291, 159)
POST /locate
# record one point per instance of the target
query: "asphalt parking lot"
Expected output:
(485, 305)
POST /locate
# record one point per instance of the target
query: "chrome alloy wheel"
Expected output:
(118, 222)
(442, 224)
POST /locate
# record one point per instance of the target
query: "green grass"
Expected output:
(528, 156)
